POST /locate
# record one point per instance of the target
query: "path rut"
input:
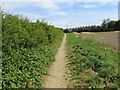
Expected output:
(56, 77)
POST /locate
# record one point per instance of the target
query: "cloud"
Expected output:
(32, 16)
(98, 4)
(51, 7)
(88, 6)
(106, 3)
(98, 0)
(48, 5)
(94, 17)
(43, 5)
(60, 22)
(58, 13)
(70, 4)
(12, 5)
(71, 17)
(59, 1)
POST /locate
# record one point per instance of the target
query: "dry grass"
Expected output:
(87, 33)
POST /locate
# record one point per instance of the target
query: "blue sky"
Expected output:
(65, 14)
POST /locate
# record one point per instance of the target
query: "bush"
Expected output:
(28, 48)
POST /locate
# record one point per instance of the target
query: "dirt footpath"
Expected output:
(56, 75)
(109, 38)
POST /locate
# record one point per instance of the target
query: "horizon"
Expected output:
(65, 14)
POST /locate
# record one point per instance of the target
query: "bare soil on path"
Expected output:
(56, 77)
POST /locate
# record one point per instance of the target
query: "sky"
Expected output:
(65, 14)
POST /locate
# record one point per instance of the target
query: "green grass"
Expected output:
(91, 64)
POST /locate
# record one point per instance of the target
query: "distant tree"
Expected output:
(66, 30)
(38, 21)
(117, 25)
(111, 25)
(105, 23)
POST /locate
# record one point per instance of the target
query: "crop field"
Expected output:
(91, 64)
(109, 38)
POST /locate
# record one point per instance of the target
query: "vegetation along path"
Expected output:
(56, 75)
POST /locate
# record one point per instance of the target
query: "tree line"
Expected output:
(107, 25)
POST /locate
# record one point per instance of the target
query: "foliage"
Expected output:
(91, 64)
(107, 25)
(27, 49)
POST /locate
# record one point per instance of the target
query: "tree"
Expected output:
(117, 25)
(111, 25)
(105, 22)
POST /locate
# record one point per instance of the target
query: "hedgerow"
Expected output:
(27, 49)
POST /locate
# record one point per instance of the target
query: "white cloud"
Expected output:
(110, 3)
(32, 16)
(99, 0)
(51, 7)
(94, 18)
(85, 18)
(88, 6)
(48, 5)
(58, 13)
(12, 5)
(59, 1)
(44, 5)
(60, 23)
(70, 4)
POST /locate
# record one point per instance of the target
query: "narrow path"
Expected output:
(56, 75)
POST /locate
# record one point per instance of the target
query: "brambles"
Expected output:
(27, 49)
(90, 65)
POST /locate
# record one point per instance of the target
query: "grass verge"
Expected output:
(91, 64)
